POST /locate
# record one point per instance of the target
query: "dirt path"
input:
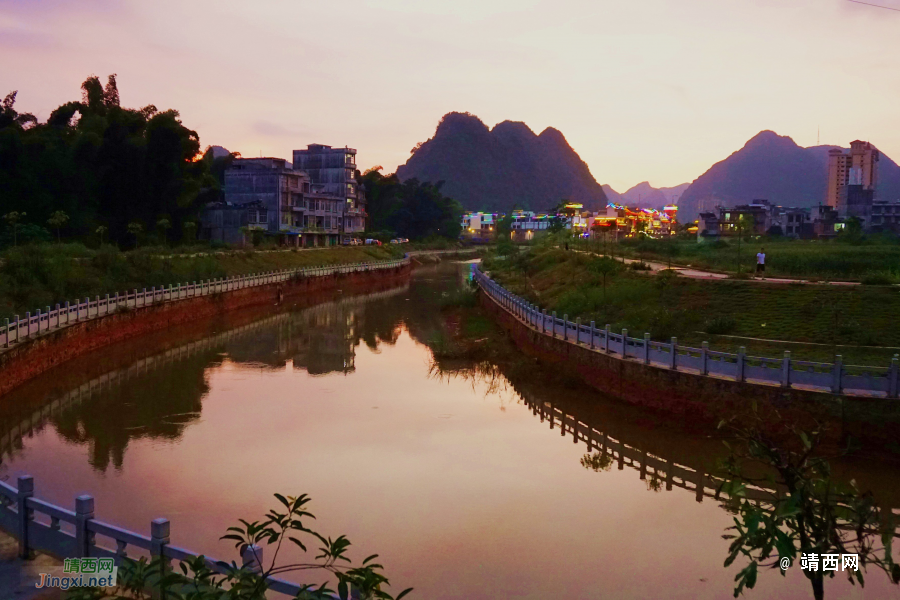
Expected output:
(692, 273)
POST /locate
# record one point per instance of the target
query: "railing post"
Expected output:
(159, 537)
(892, 384)
(84, 512)
(593, 331)
(624, 343)
(704, 358)
(68, 315)
(252, 558)
(544, 320)
(786, 369)
(553, 324)
(577, 331)
(606, 338)
(837, 374)
(16, 325)
(25, 515)
(566, 326)
(38, 321)
(646, 348)
(740, 363)
(6, 341)
(673, 353)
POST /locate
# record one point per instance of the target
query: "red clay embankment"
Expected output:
(29, 359)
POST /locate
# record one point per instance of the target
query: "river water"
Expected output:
(457, 481)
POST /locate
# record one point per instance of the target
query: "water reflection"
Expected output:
(472, 500)
(159, 396)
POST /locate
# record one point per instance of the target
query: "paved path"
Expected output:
(17, 576)
(692, 273)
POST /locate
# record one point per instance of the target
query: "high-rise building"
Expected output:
(334, 169)
(852, 178)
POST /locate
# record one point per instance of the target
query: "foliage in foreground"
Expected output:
(807, 514)
(196, 580)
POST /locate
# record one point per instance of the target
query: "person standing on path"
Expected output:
(761, 262)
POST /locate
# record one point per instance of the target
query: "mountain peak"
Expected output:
(768, 137)
(462, 122)
(504, 167)
(773, 167)
(513, 130)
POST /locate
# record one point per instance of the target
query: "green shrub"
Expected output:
(721, 325)
(877, 278)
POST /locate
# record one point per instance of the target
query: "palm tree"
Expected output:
(135, 229)
(57, 220)
(100, 231)
(13, 219)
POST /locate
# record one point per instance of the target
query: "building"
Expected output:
(274, 185)
(320, 207)
(526, 224)
(333, 170)
(852, 179)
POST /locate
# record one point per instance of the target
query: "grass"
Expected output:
(36, 276)
(870, 259)
(819, 321)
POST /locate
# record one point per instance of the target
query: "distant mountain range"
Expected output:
(774, 168)
(502, 168)
(644, 195)
(510, 167)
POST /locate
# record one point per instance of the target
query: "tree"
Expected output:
(194, 580)
(189, 228)
(102, 163)
(604, 266)
(812, 516)
(13, 219)
(57, 220)
(135, 229)
(163, 225)
(411, 209)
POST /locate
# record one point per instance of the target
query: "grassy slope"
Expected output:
(563, 281)
(792, 258)
(34, 277)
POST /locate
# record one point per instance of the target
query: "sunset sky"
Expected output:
(652, 90)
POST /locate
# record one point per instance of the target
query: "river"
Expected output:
(455, 480)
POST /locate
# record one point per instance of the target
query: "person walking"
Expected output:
(761, 263)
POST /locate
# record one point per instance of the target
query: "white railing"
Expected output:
(786, 372)
(45, 527)
(19, 330)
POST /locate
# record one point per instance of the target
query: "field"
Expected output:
(814, 322)
(873, 259)
(37, 276)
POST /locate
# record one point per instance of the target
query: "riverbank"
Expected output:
(34, 277)
(814, 322)
(54, 346)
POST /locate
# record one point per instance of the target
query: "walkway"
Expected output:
(17, 576)
(691, 273)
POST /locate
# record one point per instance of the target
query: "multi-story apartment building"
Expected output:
(334, 171)
(283, 202)
(852, 179)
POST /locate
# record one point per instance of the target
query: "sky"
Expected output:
(654, 90)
